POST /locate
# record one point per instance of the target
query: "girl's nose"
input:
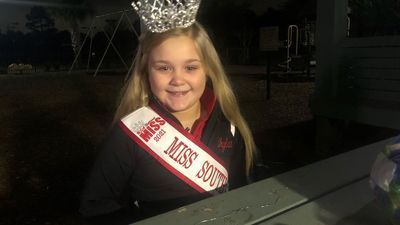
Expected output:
(177, 78)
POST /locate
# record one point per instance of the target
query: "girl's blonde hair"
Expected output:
(136, 92)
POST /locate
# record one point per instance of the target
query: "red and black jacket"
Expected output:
(124, 173)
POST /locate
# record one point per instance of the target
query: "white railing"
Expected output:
(292, 29)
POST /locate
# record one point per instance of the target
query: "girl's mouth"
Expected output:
(177, 93)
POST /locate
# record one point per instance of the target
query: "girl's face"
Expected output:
(176, 74)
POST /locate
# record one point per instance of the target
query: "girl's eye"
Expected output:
(163, 68)
(191, 68)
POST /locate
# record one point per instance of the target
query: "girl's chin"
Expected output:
(175, 108)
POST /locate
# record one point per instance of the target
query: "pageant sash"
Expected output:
(186, 157)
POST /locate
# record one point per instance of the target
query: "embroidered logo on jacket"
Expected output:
(224, 144)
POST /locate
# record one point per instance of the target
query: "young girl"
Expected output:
(178, 137)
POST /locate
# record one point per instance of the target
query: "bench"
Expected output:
(324, 192)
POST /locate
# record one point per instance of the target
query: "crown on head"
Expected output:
(163, 15)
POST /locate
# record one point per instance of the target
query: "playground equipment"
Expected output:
(292, 29)
(89, 35)
(298, 44)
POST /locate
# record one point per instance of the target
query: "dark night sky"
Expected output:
(14, 11)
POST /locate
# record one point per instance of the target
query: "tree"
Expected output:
(73, 12)
(231, 24)
(39, 20)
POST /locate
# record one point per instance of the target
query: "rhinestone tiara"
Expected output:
(162, 15)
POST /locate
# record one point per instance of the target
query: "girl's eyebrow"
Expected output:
(160, 61)
(192, 60)
(167, 62)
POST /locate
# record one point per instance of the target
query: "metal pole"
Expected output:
(115, 49)
(108, 46)
(80, 49)
(268, 81)
(297, 39)
(113, 13)
(289, 44)
(131, 25)
(90, 51)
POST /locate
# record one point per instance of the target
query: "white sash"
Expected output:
(186, 157)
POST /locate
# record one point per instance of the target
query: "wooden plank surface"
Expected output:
(392, 86)
(391, 97)
(387, 74)
(267, 198)
(380, 41)
(376, 115)
(351, 205)
(377, 63)
(391, 51)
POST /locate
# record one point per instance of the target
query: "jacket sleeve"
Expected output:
(237, 167)
(106, 191)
